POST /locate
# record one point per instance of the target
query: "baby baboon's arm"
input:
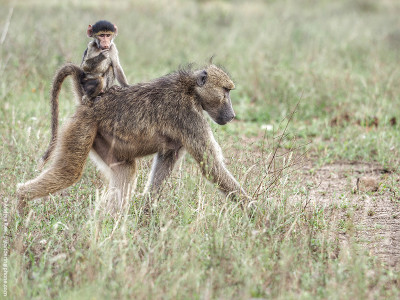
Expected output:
(118, 71)
(120, 75)
(93, 64)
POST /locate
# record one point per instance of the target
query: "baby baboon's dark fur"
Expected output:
(164, 116)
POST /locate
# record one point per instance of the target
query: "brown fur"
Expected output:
(164, 116)
(98, 71)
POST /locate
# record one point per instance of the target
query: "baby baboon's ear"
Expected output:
(202, 78)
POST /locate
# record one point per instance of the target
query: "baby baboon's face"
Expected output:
(213, 89)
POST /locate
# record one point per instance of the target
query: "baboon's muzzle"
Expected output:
(226, 114)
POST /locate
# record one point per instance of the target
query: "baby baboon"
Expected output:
(164, 116)
(100, 61)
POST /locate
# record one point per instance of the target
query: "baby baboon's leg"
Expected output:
(73, 147)
(162, 167)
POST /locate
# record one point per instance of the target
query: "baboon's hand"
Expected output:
(106, 53)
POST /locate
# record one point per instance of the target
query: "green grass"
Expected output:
(338, 60)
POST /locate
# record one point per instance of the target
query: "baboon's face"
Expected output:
(213, 87)
(104, 41)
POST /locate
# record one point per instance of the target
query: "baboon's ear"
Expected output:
(202, 78)
(89, 31)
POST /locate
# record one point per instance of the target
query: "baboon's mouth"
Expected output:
(224, 121)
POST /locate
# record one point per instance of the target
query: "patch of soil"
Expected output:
(374, 214)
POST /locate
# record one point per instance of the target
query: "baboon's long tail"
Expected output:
(77, 73)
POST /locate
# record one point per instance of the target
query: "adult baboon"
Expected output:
(164, 116)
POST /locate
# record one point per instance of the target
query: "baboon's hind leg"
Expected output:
(120, 174)
(123, 179)
(70, 156)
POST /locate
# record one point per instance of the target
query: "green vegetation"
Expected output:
(336, 61)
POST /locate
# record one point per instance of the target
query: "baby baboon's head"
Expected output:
(213, 87)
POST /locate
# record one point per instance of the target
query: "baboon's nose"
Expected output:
(232, 116)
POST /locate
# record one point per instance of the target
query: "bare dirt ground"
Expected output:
(365, 194)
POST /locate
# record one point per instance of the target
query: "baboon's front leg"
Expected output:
(162, 167)
(73, 147)
(208, 154)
